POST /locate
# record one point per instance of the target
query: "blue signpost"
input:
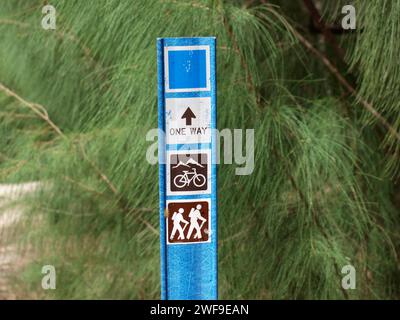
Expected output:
(187, 171)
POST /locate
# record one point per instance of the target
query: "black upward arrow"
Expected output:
(188, 115)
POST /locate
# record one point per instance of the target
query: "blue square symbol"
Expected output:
(187, 69)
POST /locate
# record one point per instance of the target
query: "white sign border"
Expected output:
(170, 103)
(168, 172)
(187, 48)
(210, 234)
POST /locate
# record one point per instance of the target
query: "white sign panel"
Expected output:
(188, 120)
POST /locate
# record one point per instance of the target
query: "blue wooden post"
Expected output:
(187, 171)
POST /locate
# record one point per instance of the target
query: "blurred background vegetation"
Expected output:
(76, 103)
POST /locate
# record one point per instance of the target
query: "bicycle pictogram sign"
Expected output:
(188, 172)
(188, 177)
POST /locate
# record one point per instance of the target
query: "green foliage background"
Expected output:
(324, 192)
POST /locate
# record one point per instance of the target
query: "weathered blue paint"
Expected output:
(188, 271)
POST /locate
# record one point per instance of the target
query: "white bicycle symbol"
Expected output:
(183, 180)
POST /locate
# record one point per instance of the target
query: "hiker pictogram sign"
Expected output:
(188, 172)
(188, 120)
(188, 222)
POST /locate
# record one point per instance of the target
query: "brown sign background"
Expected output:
(187, 206)
(189, 162)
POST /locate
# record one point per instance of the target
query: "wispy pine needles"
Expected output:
(376, 56)
(320, 196)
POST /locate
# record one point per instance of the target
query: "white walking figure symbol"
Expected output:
(177, 217)
(195, 216)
